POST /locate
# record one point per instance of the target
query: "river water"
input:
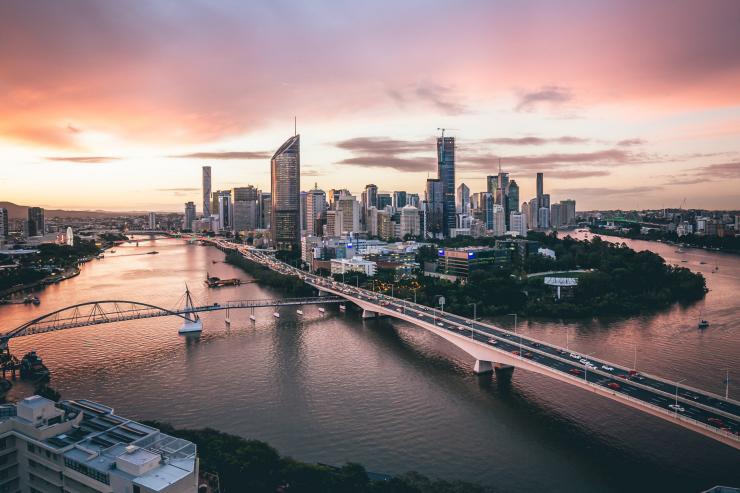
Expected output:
(334, 388)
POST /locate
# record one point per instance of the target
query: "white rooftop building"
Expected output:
(83, 447)
(354, 264)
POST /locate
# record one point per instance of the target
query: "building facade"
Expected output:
(206, 191)
(285, 180)
(189, 215)
(446, 175)
(36, 225)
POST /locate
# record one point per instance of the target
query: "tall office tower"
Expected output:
(413, 199)
(265, 210)
(492, 184)
(540, 189)
(206, 191)
(334, 194)
(384, 199)
(556, 218)
(399, 200)
(334, 222)
(434, 198)
(446, 174)
(543, 218)
(410, 221)
(568, 209)
(545, 200)
(246, 208)
(499, 221)
(189, 215)
(4, 228)
(315, 205)
(36, 224)
(487, 202)
(518, 222)
(512, 200)
(372, 221)
(386, 228)
(525, 211)
(463, 199)
(503, 186)
(371, 197)
(225, 211)
(286, 205)
(152, 221)
(350, 209)
(304, 197)
(532, 218)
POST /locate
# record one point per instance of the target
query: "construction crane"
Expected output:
(683, 204)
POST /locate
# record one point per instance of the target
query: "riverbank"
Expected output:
(725, 244)
(45, 281)
(292, 285)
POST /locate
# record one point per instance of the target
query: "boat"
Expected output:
(252, 318)
(680, 250)
(321, 310)
(153, 252)
(112, 251)
(32, 367)
(276, 314)
(343, 307)
(703, 324)
(702, 262)
(194, 324)
(299, 312)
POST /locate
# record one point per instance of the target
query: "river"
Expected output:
(334, 388)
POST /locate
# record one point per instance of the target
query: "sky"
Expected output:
(117, 105)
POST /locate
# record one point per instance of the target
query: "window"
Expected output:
(87, 471)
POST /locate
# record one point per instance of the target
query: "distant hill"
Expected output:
(16, 211)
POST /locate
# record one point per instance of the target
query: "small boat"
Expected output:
(33, 367)
(276, 314)
(703, 324)
(153, 252)
(321, 310)
(299, 312)
(684, 261)
(702, 262)
(252, 318)
(342, 307)
(227, 320)
(112, 251)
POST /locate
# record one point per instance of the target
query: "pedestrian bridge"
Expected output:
(494, 348)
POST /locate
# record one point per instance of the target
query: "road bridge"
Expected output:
(492, 347)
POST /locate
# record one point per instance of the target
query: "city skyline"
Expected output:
(131, 130)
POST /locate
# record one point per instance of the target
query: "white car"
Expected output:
(440, 324)
(492, 341)
(575, 355)
(584, 361)
(607, 367)
(676, 407)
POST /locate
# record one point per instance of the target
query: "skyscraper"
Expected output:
(315, 205)
(434, 207)
(518, 222)
(556, 215)
(399, 200)
(350, 209)
(384, 199)
(189, 215)
(463, 199)
(543, 218)
(286, 200)
(371, 196)
(499, 221)
(246, 208)
(36, 224)
(152, 221)
(492, 184)
(409, 221)
(206, 191)
(540, 189)
(412, 199)
(446, 174)
(304, 198)
(4, 228)
(265, 210)
(512, 200)
(568, 211)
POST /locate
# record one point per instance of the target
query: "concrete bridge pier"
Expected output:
(482, 367)
(369, 314)
(503, 372)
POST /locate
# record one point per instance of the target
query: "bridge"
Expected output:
(110, 311)
(500, 350)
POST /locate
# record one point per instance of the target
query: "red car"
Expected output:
(516, 352)
(614, 385)
(575, 371)
(716, 421)
(622, 376)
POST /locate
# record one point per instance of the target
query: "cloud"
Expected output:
(444, 99)
(551, 161)
(384, 152)
(723, 170)
(226, 155)
(631, 142)
(385, 145)
(535, 141)
(552, 95)
(396, 163)
(575, 173)
(83, 159)
(605, 192)
(182, 189)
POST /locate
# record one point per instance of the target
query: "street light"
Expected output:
(404, 305)
(585, 366)
(676, 404)
(472, 325)
(515, 331)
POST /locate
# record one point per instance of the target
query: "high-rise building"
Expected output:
(568, 211)
(503, 186)
(518, 222)
(246, 208)
(350, 209)
(36, 223)
(372, 221)
(543, 218)
(286, 177)
(492, 184)
(399, 200)
(152, 221)
(304, 198)
(189, 215)
(315, 205)
(545, 200)
(540, 189)
(384, 199)
(463, 199)
(434, 197)
(206, 191)
(371, 196)
(265, 210)
(334, 222)
(82, 446)
(446, 175)
(334, 194)
(413, 199)
(499, 221)
(512, 199)
(410, 225)
(386, 227)
(533, 213)
(221, 206)
(4, 227)
(556, 215)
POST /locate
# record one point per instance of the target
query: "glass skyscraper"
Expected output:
(285, 170)
(446, 174)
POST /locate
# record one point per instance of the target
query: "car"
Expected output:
(516, 352)
(607, 367)
(614, 385)
(677, 408)
(528, 355)
(576, 356)
(561, 351)
(398, 309)
(492, 341)
(622, 376)
(536, 344)
(575, 371)
(583, 361)
(716, 421)
(440, 324)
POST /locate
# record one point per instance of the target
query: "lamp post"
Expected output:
(516, 332)
(404, 305)
(727, 383)
(676, 404)
(475, 317)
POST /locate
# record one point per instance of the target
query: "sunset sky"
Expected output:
(117, 105)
